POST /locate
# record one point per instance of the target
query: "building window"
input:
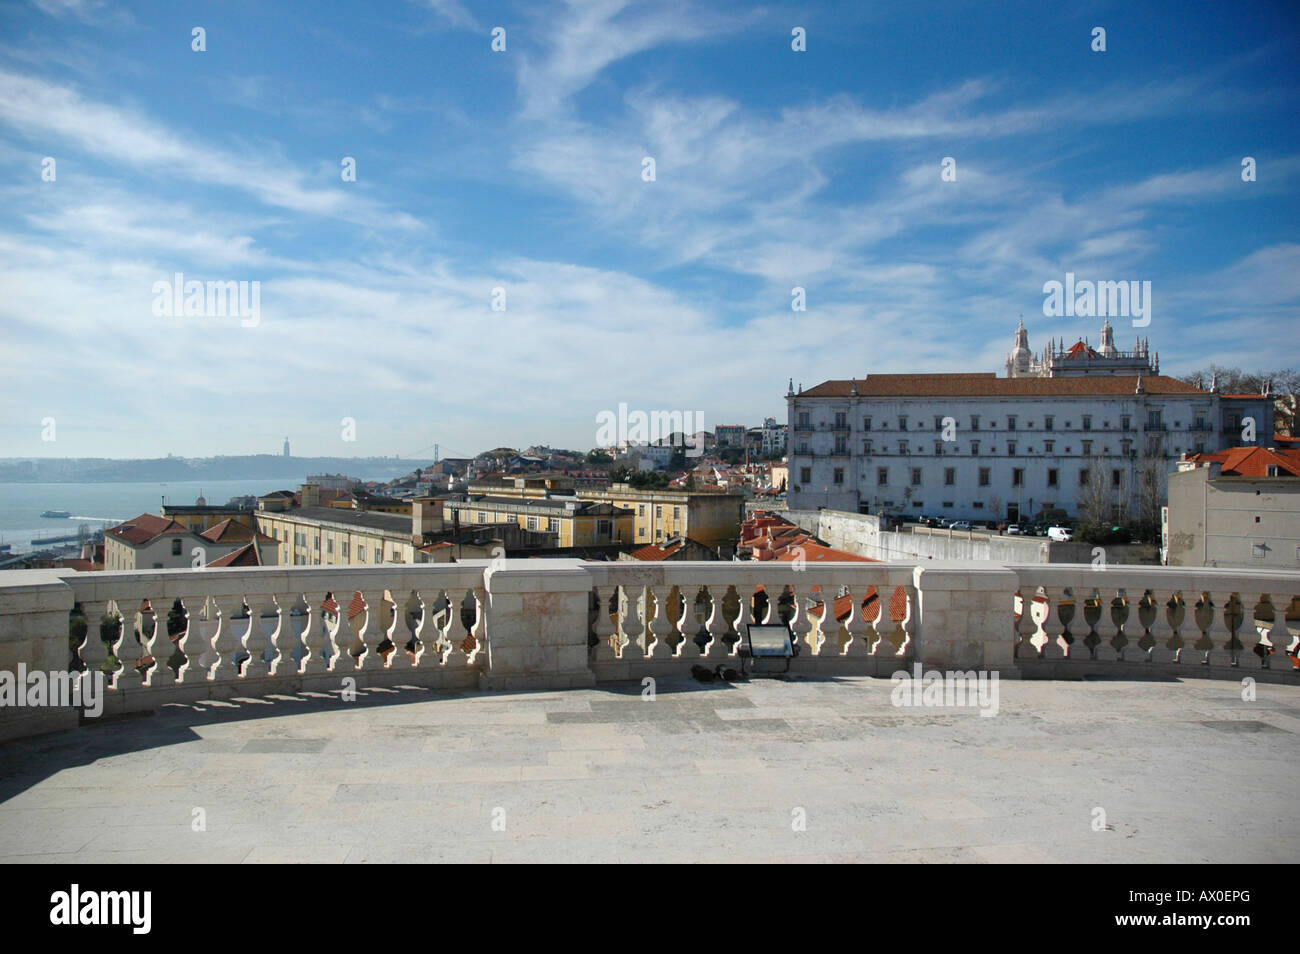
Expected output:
(480, 517)
(938, 448)
(949, 476)
(1259, 550)
(1011, 448)
(805, 475)
(531, 523)
(659, 512)
(176, 548)
(985, 476)
(640, 510)
(803, 420)
(1114, 478)
(1087, 422)
(1047, 422)
(841, 444)
(866, 447)
(902, 422)
(838, 476)
(361, 554)
(1018, 477)
(974, 422)
(1087, 448)
(866, 423)
(347, 549)
(1047, 446)
(902, 447)
(916, 476)
(938, 422)
(1083, 477)
(1052, 477)
(841, 420)
(1011, 422)
(379, 554)
(1125, 423)
(974, 448)
(604, 528)
(882, 476)
(329, 547)
(677, 513)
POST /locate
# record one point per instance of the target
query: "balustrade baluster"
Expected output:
(457, 631)
(255, 640)
(717, 624)
(659, 625)
(479, 631)
(631, 627)
(228, 637)
(193, 643)
(93, 652)
(161, 647)
(1026, 628)
(285, 639)
(127, 649)
(315, 635)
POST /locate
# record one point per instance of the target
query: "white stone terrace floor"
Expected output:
(1185, 771)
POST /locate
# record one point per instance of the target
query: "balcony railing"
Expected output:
(175, 636)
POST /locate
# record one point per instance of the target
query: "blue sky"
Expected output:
(522, 170)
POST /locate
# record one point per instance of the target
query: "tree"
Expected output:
(1151, 490)
(1095, 499)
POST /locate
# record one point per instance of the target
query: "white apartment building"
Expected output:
(976, 446)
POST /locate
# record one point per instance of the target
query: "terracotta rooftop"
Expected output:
(1252, 461)
(652, 552)
(247, 555)
(228, 531)
(144, 528)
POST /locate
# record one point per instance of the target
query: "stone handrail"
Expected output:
(554, 623)
(1224, 620)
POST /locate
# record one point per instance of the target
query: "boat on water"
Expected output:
(60, 514)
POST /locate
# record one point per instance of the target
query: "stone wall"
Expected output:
(860, 533)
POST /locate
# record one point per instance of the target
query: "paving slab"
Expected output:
(805, 769)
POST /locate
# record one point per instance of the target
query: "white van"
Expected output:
(1060, 534)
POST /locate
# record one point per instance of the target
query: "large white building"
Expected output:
(976, 446)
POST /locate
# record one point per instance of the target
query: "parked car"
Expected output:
(1060, 534)
(959, 525)
(1013, 530)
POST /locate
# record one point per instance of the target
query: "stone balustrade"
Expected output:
(1179, 620)
(182, 636)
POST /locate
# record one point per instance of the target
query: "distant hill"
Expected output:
(248, 467)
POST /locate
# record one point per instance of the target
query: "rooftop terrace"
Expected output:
(449, 699)
(1184, 771)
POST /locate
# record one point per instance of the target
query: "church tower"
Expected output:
(1020, 359)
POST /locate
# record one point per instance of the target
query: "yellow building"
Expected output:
(712, 519)
(576, 523)
(326, 536)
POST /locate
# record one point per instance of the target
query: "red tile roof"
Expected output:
(813, 552)
(229, 531)
(144, 528)
(1253, 461)
(652, 552)
(987, 384)
(247, 555)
